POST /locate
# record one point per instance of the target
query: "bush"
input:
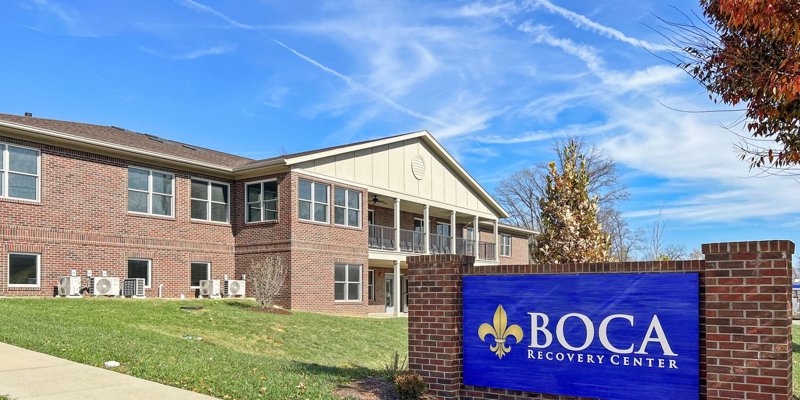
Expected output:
(265, 279)
(409, 386)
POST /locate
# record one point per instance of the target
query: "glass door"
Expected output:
(389, 290)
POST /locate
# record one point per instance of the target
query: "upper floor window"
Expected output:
(505, 245)
(442, 229)
(19, 172)
(347, 207)
(313, 201)
(262, 201)
(210, 201)
(150, 192)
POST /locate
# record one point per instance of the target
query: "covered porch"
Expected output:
(387, 288)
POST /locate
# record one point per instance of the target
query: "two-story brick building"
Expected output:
(85, 197)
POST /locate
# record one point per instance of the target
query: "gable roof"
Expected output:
(125, 140)
(123, 137)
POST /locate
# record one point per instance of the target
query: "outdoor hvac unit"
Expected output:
(133, 287)
(69, 286)
(234, 288)
(210, 288)
(105, 286)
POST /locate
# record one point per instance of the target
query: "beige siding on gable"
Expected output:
(389, 167)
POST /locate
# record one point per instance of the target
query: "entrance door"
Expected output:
(389, 290)
(404, 293)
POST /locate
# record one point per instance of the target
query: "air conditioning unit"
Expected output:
(234, 288)
(105, 286)
(69, 286)
(133, 287)
(210, 288)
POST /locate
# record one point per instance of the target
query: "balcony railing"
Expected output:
(486, 251)
(381, 237)
(440, 244)
(465, 246)
(412, 241)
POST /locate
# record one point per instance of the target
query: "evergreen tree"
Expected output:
(570, 230)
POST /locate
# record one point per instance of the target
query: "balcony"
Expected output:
(413, 241)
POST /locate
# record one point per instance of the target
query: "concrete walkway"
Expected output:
(26, 374)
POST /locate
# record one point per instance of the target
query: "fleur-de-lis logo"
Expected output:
(501, 331)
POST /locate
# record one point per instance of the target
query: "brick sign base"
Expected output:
(745, 318)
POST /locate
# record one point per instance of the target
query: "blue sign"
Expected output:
(607, 336)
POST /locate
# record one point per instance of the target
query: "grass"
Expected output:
(242, 354)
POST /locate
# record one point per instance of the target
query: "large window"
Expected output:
(199, 271)
(347, 282)
(210, 201)
(138, 268)
(442, 229)
(347, 207)
(150, 192)
(19, 172)
(262, 201)
(313, 202)
(24, 270)
(505, 245)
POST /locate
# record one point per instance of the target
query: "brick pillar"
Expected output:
(435, 321)
(748, 331)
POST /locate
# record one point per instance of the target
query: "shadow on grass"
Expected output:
(239, 303)
(796, 347)
(351, 372)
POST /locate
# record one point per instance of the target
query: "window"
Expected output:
(470, 233)
(313, 201)
(262, 201)
(347, 282)
(419, 225)
(199, 271)
(23, 270)
(150, 192)
(210, 201)
(347, 207)
(371, 217)
(371, 285)
(19, 172)
(442, 229)
(139, 269)
(505, 245)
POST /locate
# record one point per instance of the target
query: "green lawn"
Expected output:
(242, 354)
(796, 360)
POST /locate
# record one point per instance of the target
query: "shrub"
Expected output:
(409, 386)
(265, 279)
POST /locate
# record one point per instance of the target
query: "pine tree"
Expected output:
(570, 230)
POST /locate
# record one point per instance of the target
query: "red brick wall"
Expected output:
(745, 344)
(82, 222)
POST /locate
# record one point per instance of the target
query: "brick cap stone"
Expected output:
(748, 247)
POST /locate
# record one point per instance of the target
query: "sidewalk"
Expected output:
(26, 374)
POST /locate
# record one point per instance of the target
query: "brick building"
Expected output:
(102, 199)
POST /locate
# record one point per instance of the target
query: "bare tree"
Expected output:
(266, 277)
(624, 241)
(655, 248)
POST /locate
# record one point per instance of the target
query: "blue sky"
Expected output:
(495, 82)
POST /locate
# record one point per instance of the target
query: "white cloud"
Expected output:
(192, 55)
(72, 23)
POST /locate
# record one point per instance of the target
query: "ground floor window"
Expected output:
(371, 285)
(199, 271)
(347, 282)
(139, 268)
(24, 270)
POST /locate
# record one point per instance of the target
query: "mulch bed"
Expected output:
(372, 388)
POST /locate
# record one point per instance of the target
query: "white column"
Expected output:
(396, 289)
(452, 232)
(426, 216)
(476, 235)
(496, 243)
(397, 224)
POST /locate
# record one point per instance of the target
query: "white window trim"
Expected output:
(149, 270)
(150, 193)
(347, 282)
(5, 171)
(347, 208)
(371, 284)
(38, 270)
(314, 202)
(209, 201)
(208, 272)
(503, 237)
(261, 203)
